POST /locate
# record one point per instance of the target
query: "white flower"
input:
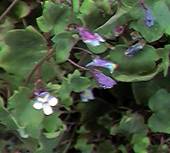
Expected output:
(87, 95)
(45, 101)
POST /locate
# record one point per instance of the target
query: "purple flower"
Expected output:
(149, 19)
(88, 37)
(103, 63)
(103, 80)
(118, 31)
(132, 50)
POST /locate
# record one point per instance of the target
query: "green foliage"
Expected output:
(132, 123)
(25, 47)
(83, 146)
(142, 67)
(140, 143)
(159, 104)
(21, 108)
(21, 9)
(63, 45)
(44, 52)
(52, 15)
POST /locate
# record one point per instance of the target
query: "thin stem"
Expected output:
(82, 49)
(24, 23)
(71, 139)
(8, 9)
(49, 55)
(142, 3)
(75, 64)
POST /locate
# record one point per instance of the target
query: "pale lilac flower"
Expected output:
(87, 95)
(88, 37)
(97, 62)
(45, 101)
(149, 19)
(118, 31)
(103, 80)
(132, 50)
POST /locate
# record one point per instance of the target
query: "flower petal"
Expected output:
(132, 50)
(149, 19)
(52, 101)
(92, 42)
(99, 37)
(87, 95)
(89, 37)
(47, 109)
(103, 63)
(103, 80)
(118, 31)
(38, 105)
(40, 100)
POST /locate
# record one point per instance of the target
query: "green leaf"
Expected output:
(74, 82)
(6, 118)
(105, 5)
(21, 9)
(160, 101)
(107, 28)
(26, 48)
(143, 61)
(150, 34)
(53, 126)
(76, 5)
(162, 13)
(106, 121)
(98, 49)
(90, 113)
(64, 93)
(24, 113)
(55, 17)
(87, 6)
(4, 28)
(140, 67)
(164, 54)
(159, 122)
(131, 124)
(83, 146)
(77, 82)
(137, 77)
(130, 3)
(105, 147)
(144, 90)
(89, 12)
(140, 143)
(123, 149)
(160, 105)
(48, 70)
(46, 145)
(63, 45)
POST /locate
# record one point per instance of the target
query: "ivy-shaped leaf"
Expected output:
(140, 143)
(27, 117)
(160, 105)
(55, 17)
(25, 48)
(63, 45)
(140, 67)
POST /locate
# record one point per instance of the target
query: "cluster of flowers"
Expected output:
(95, 39)
(45, 101)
